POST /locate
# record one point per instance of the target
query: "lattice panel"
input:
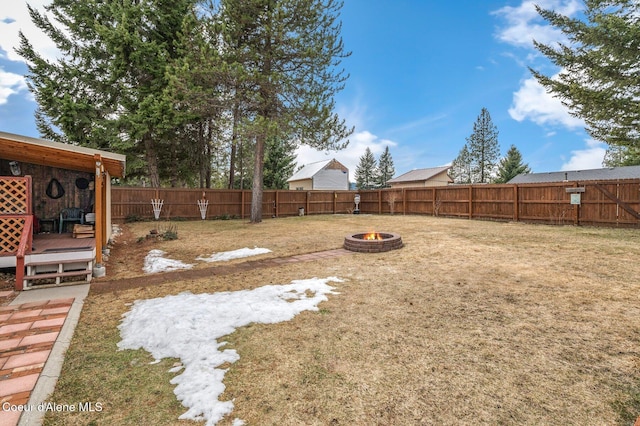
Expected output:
(10, 232)
(14, 195)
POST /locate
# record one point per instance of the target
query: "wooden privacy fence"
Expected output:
(598, 203)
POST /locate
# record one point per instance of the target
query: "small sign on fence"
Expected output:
(575, 199)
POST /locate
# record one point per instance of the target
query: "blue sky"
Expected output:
(420, 73)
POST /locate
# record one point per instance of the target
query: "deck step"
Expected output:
(57, 271)
(56, 262)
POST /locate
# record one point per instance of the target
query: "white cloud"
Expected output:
(350, 156)
(524, 24)
(532, 102)
(10, 84)
(14, 17)
(589, 158)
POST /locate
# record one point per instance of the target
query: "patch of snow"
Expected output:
(154, 262)
(234, 254)
(116, 230)
(187, 326)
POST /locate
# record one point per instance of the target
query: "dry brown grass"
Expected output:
(470, 323)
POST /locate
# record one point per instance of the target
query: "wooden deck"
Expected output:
(52, 243)
(54, 247)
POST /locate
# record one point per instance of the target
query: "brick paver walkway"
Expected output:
(187, 274)
(27, 335)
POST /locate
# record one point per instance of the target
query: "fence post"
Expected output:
(277, 206)
(242, 204)
(433, 203)
(470, 201)
(335, 197)
(404, 205)
(576, 209)
(516, 202)
(379, 201)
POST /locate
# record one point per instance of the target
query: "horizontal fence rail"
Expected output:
(596, 203)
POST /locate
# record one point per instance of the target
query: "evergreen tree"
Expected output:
(619, 156)
(599, 79)
(461, 167)
(386, 169)
(511, 166)
(287, 53)
(483, 147)
(366, 171)
(108, 89)
(279, 164)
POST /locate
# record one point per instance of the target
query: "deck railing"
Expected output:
(26, 243)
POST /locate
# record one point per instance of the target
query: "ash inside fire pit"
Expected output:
(372, 242)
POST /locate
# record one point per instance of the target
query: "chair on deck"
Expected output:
(71, 214)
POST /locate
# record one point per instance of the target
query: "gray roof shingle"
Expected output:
(612, 173)
(419, 174)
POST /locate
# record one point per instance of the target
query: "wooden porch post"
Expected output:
(99, 207)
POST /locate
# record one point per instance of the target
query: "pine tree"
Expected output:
(386, 169)
(511, 166)
(620, 156)
(599, 79)
(279, 164)
(483, 148)
(366, 171)
(461, 167)
(108, 89)
(287, 53)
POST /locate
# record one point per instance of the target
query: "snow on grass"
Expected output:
(234, 254)
(188, 326)
(155, 262)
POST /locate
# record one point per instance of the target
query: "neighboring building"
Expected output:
(434, 176)
(611, 173)
(327, 174)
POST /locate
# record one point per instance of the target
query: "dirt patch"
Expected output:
(470, 322)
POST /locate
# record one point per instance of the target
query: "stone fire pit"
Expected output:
(372, 242)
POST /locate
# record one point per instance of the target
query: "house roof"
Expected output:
(612, 173)
(419, 174)
(309, 170)
(56, 154)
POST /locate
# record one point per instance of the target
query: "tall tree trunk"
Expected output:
(201, 155)
(234, 142)
(208, 151)
(256, 190)
(173, 167)
(265, 115)
(152, 160)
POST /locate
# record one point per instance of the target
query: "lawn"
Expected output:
(471, 322)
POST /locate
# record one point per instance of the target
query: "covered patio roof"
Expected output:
(60, 155)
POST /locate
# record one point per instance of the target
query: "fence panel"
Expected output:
(492, 202)
(452, 201)
(290, 202)
(419, 200)
(549, 203)
(610, 203)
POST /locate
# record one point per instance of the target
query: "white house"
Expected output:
(327, 174)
